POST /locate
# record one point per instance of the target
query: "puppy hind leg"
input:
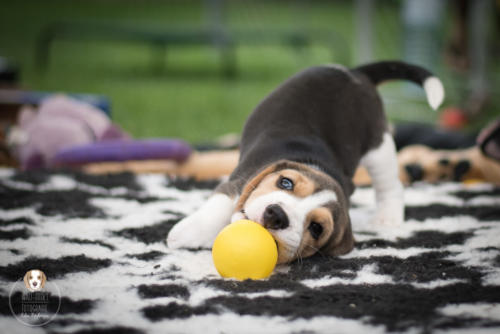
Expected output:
(382, 166)
(199, 229)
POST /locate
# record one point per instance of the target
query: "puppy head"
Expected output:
(34, 280)
(304, 209)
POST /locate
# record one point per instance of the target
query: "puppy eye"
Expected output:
(285, 183)
(315, 229)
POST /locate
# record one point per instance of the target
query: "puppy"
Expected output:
(34, 280)
(299, 150)
(421, 163)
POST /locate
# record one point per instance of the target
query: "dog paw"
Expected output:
(189, 234)
(390, 214)
(200, 229)
(237, 216)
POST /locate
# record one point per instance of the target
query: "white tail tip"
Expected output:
(434, 91)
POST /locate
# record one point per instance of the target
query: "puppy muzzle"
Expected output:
(275, 218)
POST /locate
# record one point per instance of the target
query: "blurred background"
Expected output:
(194, 69)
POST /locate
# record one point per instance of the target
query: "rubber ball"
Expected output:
(244, 250)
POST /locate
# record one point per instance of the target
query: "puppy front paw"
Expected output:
(186, 234)
(200, 229)
(175, 237)
(194, 231)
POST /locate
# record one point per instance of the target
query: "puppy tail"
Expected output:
(397, 70)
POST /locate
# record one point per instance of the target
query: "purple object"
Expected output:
(123, 150)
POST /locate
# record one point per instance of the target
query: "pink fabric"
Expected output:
(59, 123)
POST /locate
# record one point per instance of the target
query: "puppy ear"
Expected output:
(44, 279)
(26, 283)
(252, 184)
(341, 241)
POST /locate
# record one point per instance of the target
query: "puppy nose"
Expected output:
(275, 218)
(415, 172)
(35, 283)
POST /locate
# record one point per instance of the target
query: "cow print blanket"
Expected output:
(100, 241)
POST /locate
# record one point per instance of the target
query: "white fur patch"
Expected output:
(382, 165)
(296, 209)
(435, 92)
(201, 228)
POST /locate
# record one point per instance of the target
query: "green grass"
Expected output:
(189, 98)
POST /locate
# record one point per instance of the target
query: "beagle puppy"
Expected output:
(299, 150)
(34, 280)
(422, 163)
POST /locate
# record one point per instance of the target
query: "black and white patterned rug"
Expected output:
(100, 240)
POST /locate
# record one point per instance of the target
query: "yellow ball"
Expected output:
(244, 249)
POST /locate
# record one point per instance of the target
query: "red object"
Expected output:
(453, 118)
